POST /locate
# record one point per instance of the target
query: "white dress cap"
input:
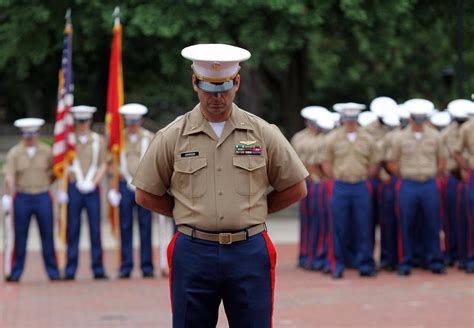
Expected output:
(336, 117)
(312, 112)
(133, 111)
(419, 106)
(349, 108)
(382, 105)
(403, 112)
(440, 119)
(83, 112)
(365, 118)
(461, 106)
(215, 63)
(325, 121)
(29, 124)
(391, 119)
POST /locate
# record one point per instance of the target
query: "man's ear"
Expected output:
(194, 81)
(237, 83)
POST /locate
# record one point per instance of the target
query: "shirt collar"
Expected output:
(196, 122)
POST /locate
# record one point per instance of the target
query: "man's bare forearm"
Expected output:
(278, 200)
(160, 204)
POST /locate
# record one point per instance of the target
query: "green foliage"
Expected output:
(303, 52)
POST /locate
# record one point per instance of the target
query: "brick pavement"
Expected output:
(303, 299)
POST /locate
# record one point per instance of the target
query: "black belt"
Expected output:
(223, 238)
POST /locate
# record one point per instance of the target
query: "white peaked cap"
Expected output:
(391, 119)
(440, 119)
(29, 124)
(419, 106)
(461, 106)
(325, 121)
(382, 105)
(83, 112)
(312, 112)
(349, 108)
(133, 111)
(215, 63)
(403, 112)
(365, 118)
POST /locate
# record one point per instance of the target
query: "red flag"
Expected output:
(113, 120)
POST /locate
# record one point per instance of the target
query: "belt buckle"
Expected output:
(225, 238)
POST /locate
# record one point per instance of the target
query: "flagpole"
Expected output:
(64, 188)
(115, 166)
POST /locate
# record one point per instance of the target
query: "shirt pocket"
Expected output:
(408, 148)
(190, 177)
(22, 163)
(250, 175)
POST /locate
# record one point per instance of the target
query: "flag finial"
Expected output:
(68, 16)
(116, 15)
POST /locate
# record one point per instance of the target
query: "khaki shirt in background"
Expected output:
(384, 147)
(450, 137)
(32, 174)
(315, 148)
(84, 154)
(466, 142)
(133, 150)
(213, 187)
(298, 142)
(417, 159)
(350, 160)
(377, 130)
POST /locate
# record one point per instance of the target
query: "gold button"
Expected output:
(193, 127)
(242, 123)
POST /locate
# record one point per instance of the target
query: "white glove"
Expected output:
(131, 187)
(85, 187)
(7, 203)
(63, 197)
(114, 197)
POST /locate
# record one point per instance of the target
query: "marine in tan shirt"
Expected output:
(210, 170)
(28, 176)
(465, 144)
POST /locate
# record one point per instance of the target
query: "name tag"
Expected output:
(189, 154)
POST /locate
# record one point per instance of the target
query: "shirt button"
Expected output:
(221, 217)
(219, 169)
(220, 193)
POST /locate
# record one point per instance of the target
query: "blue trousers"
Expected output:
(127, 204)
(25, 205)
(203, 273)
(304, 211)
(466, 224)
(388, 224)
(453, 192)
(317, 244)
(351, 208)
(419, 198)
(77, 202)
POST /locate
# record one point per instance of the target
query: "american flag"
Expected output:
(64, 145)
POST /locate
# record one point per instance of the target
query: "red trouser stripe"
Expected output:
(469, 218)
(170, 264)
(319, 196)
(272, 254)
(331, 256)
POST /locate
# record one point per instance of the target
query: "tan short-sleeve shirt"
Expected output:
(84, 153)
(213, 185)
(133, 149)
(299, 141)
(384, 147)
(376, 130)
(418, 159)
(450, 137)
(466, 142)
(350, 160)
(32, 174)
